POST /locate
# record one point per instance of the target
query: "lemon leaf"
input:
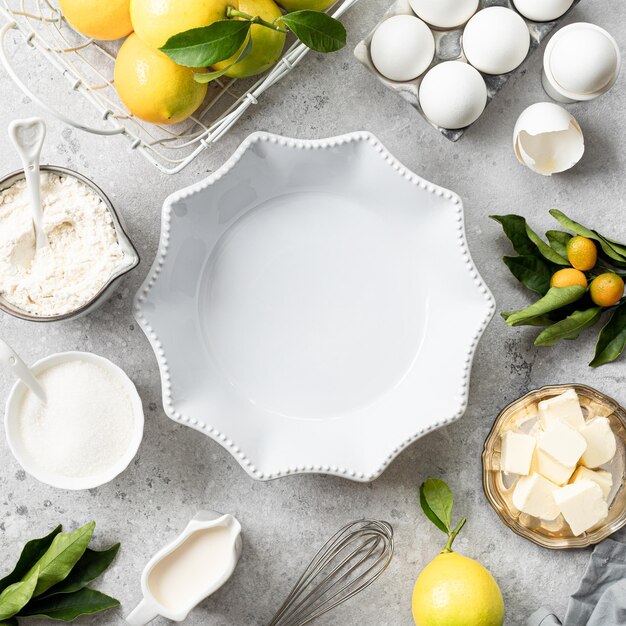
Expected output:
(532, 272)
(611, 250)
(570, 327)
(556, 298)
(316, 30)
(558, 241)
(514, 227)
(207, 77)
(525, 240)
(201, 47)
(544, 249)
(612, 338)
(66, 607)
(436, 500)
(60, 558)
(16, 596)
(31, 553)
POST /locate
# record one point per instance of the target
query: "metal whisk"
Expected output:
(350, 561)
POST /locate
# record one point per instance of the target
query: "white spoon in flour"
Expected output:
(10, 359)
(28, 136)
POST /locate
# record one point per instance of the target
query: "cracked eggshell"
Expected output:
(548, 139)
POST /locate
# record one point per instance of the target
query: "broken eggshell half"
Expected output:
(548, 139)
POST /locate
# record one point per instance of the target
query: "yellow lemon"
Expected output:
(454, 590)
(155, 21)
(568, 277)
(267, 44)
(153, 87)
(99, 19)
(582, 253)
(301, 5)
(607, 289)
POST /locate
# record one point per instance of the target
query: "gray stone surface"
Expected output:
(178, 471)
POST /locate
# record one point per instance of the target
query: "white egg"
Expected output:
(453, 95)
(584, 59)
(547, 139)
(444, 13)
(402, 48)
(496, 40)
(543, 10)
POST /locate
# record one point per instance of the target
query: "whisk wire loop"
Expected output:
(349, 562)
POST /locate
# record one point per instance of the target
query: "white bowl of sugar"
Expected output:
(88, 431)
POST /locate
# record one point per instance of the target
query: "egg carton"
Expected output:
(448, 48)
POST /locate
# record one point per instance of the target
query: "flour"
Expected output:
(84, 251)
(87, 425)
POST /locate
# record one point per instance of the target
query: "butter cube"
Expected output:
(600, 440)
(517, 453)
(562, 408)
(533, 495)
(582, 505)
(603, 479)
(562, 443)
(551, 469)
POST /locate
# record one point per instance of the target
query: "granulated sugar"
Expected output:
(87, 424)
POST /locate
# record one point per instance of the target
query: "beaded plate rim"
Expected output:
(306, 144)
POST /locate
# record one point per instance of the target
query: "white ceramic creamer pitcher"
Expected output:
(189, 569)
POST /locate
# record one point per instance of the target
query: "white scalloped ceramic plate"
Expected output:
(314, 307)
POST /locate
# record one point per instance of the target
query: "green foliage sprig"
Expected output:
(436, 500)
(206, 46)
(51, 576)
(564, 312)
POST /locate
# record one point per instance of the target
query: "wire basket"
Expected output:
(88, 66)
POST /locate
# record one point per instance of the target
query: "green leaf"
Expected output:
(525, 240)
(201, 47)
(31, 553)
(618, 247)
(556, 298)
(207, 77)
(429, 513)
(514, 227)
(67, 607)
(532, 272)
(541, 320)
(16, 596)
(437, 500)
(64, 552)
(89, 567)
(316, 30)
(570, 327)
(558, 240)
(545, 250)
(612, 338)
(606, 246)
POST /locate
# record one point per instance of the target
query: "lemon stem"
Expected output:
(232, 12)
(452, 536)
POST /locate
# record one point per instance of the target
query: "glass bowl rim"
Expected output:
(120, 229)
(600, 533)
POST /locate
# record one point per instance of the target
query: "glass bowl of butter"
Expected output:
(554, 466)
(88, 248)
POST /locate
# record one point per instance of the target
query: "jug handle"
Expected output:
(143, 613)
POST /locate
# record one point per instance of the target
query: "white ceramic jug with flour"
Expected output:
(189, 569)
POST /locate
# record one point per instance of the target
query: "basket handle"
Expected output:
(4, 58)
(282, 67)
